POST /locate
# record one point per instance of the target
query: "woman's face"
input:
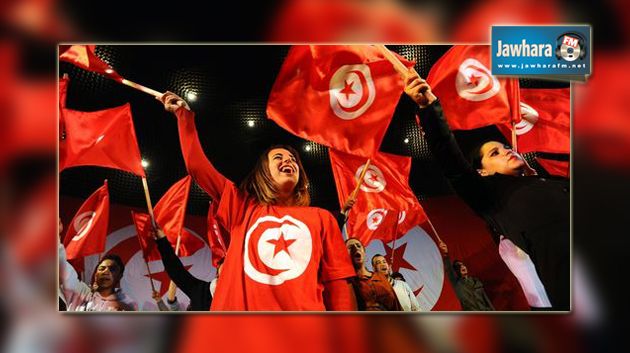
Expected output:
(283, 168)
(497, 158)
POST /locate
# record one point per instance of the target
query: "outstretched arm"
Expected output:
(174, 267)
(197, 164)
(463, 177)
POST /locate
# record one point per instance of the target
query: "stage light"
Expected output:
(145, 163)
(250, 123)
(192, 96)
(406, 140)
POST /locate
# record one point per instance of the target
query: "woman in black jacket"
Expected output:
(497, 183)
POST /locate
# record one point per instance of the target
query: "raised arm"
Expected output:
(174, 267)
(197, 164)
(74, 291)
(463, 177)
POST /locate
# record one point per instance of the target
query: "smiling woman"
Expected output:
(283, 254)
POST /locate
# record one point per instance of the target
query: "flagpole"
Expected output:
(434, 231)
(146, 263)
(141, 88)
(514, 140)
(354, 192)
(395, 237)
(147, 197)
(398, 65)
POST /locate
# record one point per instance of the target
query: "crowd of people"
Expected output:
(306, 265)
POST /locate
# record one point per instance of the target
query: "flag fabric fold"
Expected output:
(142, 222)
(546, 121)
(217, 236)
(105, 138)
(84, 56)
(170, 213)
(87, 231)
(340, 96)
(386, 207)
(470, 96)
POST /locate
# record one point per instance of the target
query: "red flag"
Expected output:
(170, 212)
(84, 56)
(216, 236)
(470, 95)
(341, 96)
(87, 232)
(384, 197)
(545, 124)
(142, 221)
(103, 138)
(553, 167)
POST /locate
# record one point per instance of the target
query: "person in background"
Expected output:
(404, 294)
(373, 290)
(469, 290)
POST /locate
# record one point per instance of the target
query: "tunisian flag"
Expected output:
(546, 121)
(470, 95)
(84, 56)
(341, 96)
(142, 221)
(87, 232)
(170, 212)
(385, 207)
(103, 138)
(218, 238)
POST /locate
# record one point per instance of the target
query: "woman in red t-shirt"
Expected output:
(283, 254)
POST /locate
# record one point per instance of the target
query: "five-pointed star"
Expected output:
(281, 244)
(473, 79)
(399, 261)
(164, 279)
(347, 89)
(373, 177)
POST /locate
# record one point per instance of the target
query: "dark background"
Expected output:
(232, 84)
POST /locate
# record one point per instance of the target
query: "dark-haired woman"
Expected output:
(497, 183)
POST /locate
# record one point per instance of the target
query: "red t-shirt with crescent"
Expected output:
(279, 257)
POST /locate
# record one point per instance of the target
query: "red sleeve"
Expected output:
(339, 296)
(198, 165)
(335, 262)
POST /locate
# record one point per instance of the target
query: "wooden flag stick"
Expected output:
(434, 231)
(147, 197)
(146, 263)
(395, 237)
(150, 276)
(514, 140)
(398, 65)
(354, 192)
(141, 88)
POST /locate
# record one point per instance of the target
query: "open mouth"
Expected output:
(287, 169)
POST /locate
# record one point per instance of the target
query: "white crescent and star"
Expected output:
(351, 91)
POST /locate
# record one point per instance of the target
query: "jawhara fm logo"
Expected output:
(571, 46)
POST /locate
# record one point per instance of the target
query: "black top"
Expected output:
(533, 212)
(197, 290)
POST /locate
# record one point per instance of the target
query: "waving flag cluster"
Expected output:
(340, 96)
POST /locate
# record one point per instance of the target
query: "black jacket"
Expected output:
(533, 212)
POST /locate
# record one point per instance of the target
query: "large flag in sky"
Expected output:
(84, 56)
(103, 138)
(88, 229)
(546, 121)
(470, 95)
(385, 207)
(341, 96)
